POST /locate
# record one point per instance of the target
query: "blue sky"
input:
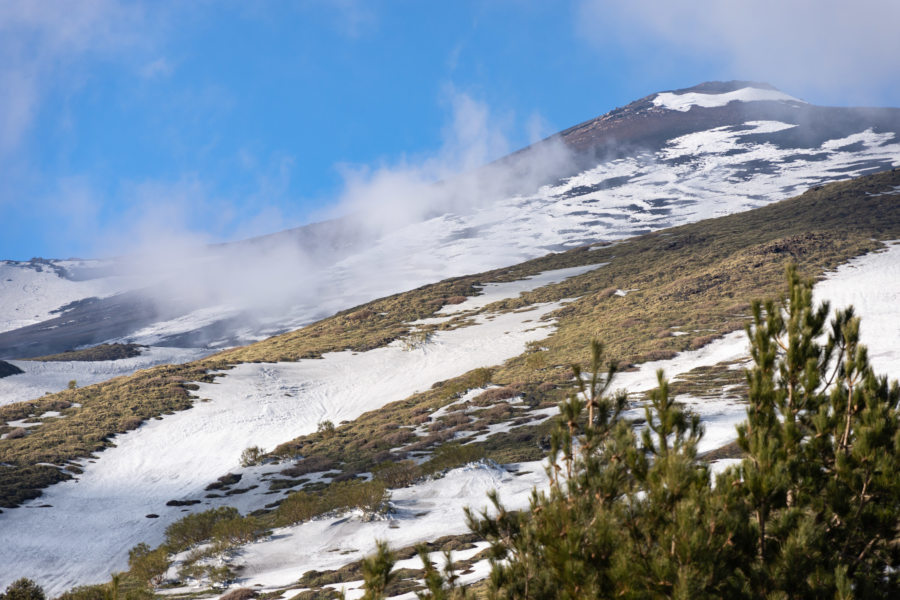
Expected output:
(125, 122)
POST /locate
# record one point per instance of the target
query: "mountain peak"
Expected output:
(720, 93)
(723, 87)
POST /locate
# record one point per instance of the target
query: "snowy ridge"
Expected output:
(684, 102)
(696, 176)
(30, 291)
(673, 179)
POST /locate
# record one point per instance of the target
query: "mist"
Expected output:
(281, 280)
(829, 50)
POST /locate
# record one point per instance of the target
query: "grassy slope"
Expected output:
(697, 276)
(95, 353)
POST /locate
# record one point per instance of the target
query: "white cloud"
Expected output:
(800, 45)
(458, 177)
(157, 68)
(41, 42)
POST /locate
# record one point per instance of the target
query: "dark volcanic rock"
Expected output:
(7, 369)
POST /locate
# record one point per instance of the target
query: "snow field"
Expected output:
(27, 295)
(252, 404)
(422, 512)
(871, 283)
(264, 404)
(494, 292)
(42, 377)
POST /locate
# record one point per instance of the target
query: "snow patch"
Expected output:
(684, 102)
(422, 512)
(30, 291)
(43, 377)
(871, 283)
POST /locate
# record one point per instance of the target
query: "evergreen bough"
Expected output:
(812, 510)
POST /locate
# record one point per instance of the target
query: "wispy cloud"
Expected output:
(41, 43)
(165, 233)
(819, 46)
(159, 67)
(457, 177)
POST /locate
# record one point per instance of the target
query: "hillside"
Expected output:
(664, 160)
(409, 374)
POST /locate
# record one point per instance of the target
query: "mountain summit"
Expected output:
(666, 159)
(447, 339)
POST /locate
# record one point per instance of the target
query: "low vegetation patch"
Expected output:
(95, 353)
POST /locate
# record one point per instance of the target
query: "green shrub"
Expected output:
(148, 566)
(369, 496)
(18, 432)
(397, 474)
(450, 456)
(86, 592)
(239, 594)
(196, 528)
(250, 456)
(236, 531)
(23, 589)
(297, 507)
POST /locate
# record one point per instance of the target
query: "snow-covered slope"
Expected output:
(664, 160)
(254, 404)
(41, 377)
(31, 291)
(266, 404)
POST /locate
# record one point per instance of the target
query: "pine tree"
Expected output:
(812, 511)
(823, 446)
(377, 573)
(23, 589)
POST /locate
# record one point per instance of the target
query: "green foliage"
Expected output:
(377, 574)
(325, 428)
(823, 439)
(86, 592)
(811, 512)
(197, 527)
(250, 456)
(23, 589)
(440, 584)
(148, 566)
(449, 456)
(397, 474)
(369, 496)
(236, 531)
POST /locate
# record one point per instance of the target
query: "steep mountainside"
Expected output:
(402, 392)
(667, 159)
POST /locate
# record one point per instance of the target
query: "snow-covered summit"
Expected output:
(685, 101)
(666, 159)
